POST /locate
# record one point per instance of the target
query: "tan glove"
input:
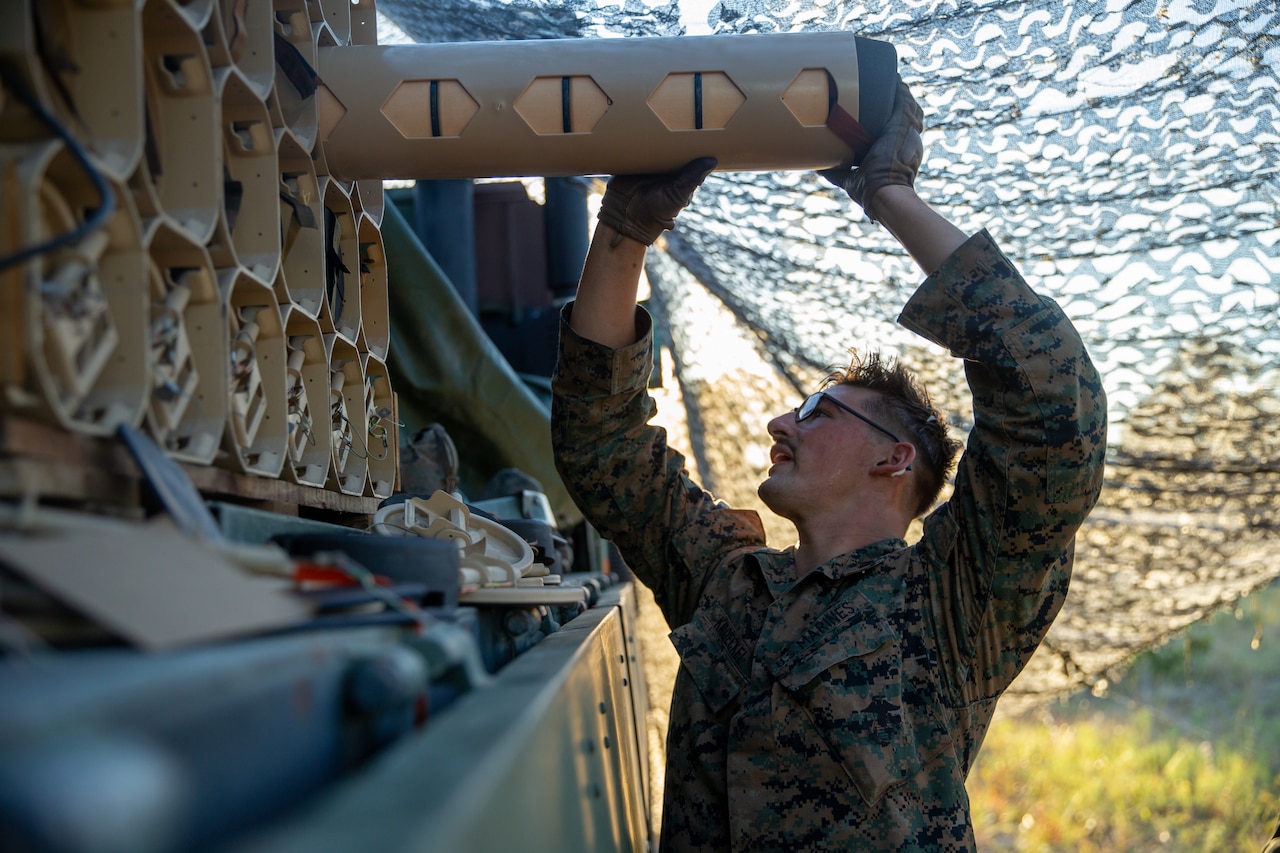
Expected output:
(893, 159)
(643, 206)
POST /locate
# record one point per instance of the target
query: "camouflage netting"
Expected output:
(1125, 154)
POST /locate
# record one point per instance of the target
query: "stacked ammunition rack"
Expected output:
(177, 255)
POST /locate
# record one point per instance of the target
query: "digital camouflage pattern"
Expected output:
(843, 710)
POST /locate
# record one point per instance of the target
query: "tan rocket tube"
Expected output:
(558, 107)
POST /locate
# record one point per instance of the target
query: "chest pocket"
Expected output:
(707, 646)
(846, 685)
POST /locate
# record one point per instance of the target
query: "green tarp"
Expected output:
(446, 370)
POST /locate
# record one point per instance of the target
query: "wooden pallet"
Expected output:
(44, 462)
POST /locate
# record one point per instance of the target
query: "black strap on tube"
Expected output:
(566, 106)
(697, 100)
(435, 108)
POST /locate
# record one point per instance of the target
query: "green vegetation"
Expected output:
(1181, 754)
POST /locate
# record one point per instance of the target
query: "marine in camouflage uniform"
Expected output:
(833, 695)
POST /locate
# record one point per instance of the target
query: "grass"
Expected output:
(1180, 754)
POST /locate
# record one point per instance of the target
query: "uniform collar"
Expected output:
(860, 560)
(778, 567)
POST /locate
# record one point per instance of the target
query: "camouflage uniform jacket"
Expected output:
(842, 710)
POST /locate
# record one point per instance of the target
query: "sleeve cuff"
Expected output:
(976, 295)
(598, 369)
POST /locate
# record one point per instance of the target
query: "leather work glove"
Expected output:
(893, 159)
(643, 206)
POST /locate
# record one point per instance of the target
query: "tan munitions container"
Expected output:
(341, 261)
(602, 106)
(306, 399)
(257, 434)
(375, 317)
(300, 280)
(183, 108)
(75, 349)
(383, 438)
(249, 218)
(349, 447)
(189, 357)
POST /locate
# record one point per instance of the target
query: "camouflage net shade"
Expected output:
(1125, 154)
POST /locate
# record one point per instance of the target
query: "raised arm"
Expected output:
(605, 308)
(1001, 549)
(615, 463)
(883, 185)
(636, 209)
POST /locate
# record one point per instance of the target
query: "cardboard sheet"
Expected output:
(151, 585)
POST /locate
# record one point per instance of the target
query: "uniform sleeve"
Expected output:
(628, 483)
(1000, 551)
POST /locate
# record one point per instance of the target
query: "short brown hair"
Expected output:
(902, 401)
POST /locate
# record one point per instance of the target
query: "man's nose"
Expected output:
(783, 424)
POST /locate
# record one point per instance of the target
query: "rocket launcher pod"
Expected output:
(557, 107)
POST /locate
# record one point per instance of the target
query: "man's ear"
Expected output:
(898, 462)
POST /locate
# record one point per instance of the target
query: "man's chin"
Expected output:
(774, 496)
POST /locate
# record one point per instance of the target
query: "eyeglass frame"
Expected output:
(818, 396)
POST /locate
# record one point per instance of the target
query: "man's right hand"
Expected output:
(893, 159)
(643, 206)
